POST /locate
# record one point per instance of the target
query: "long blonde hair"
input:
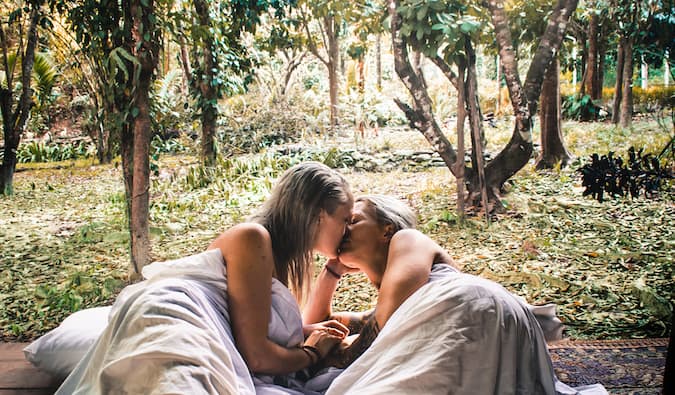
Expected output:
(291, 217)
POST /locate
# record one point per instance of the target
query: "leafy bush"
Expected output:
(642, 173)
(38, 151)
(169, 110)
(580, 108)
(654, 97)
(259, 124)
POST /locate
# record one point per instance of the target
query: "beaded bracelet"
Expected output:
(333, 272)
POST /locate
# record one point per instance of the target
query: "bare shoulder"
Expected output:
(412, 238)
(247, 234)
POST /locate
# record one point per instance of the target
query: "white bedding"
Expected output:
(457, 335)
(170, 334)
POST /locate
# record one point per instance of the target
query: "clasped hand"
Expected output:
(325, 335)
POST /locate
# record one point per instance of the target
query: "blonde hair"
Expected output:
(291, 216)
(391, 211)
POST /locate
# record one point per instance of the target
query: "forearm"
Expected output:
(355, 322)
(318, 306)
(274, 359)
(344, 357)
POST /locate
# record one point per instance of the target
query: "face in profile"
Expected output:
(331, 230)
(364, 237)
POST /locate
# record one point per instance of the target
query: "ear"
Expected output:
(388, 232)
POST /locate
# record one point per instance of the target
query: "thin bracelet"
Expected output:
(310, 354)
(333, 272)
(314, 351)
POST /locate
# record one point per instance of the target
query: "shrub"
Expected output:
(580, 108)
(641, 174)
(38, 151)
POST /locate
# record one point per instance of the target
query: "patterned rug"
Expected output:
(622, 366)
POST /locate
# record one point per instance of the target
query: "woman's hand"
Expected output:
(323, 340)
(333, 327)
(339, 268)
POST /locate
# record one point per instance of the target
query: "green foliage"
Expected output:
(80, 287)
(580, 108)
(45, 76)
(169, 110)
(38, 151)
(436, 25)
(254, 125)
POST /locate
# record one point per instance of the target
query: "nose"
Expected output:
(345, 236)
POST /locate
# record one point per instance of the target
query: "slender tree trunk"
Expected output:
(209, 96)
(602, 51)
(584, 71)
(459, 164)
(145, 48)
(553, 149)
(478, 191)
(618, 85)
(420, 115)
(378, 61)
(293, 62)
(14, 120)
(499, 87)
(644, 73)
(185, 65)
(626, 117)
(361, 67)
(592, 60)
(332, 31)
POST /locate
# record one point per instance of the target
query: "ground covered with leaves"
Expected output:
(608, 266)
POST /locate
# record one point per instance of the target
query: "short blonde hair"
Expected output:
(391, 211)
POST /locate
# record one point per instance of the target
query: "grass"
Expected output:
(608, 266)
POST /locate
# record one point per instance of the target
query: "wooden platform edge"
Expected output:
(18, 376)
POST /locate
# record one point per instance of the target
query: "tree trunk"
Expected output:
(591, 80)
(461, 117)
(602, 51)
(584, 71)
(361, 67)
(14, 120)
(209, 97)
(644, 73)
(378, 61)
(420, 115)
(294, 61)
(499, 87)
(332, 31)
(553, 149)
(145, 51)
(523, 98)
(618, 85)
(626, 117)
(185, 65)
(478, 191)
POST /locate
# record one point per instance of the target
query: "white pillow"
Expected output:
(59, 350)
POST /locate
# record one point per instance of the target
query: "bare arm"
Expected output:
(318, 306)
(409, 261)
(247, 250)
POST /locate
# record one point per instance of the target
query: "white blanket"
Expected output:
(457, 335)
(170, 334)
